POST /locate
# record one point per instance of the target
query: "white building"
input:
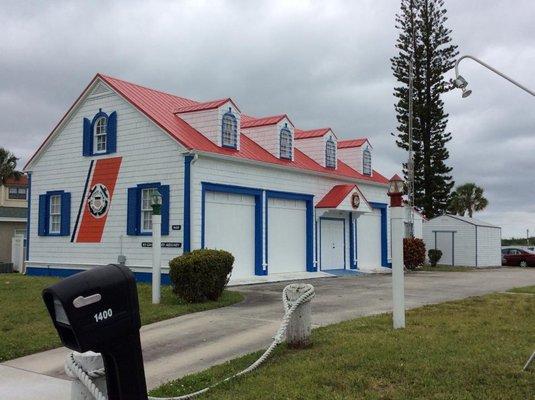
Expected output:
(280, 199)
(464, 241)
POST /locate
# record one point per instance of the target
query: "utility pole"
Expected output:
(410, 162)
(527, 236)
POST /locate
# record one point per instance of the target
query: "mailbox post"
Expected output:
(98, 310)
(156, 203)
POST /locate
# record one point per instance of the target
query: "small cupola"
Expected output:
(357, 153)
(275, 134)
(218, 120)
(320, 145)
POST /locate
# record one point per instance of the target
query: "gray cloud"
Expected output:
(323, 63)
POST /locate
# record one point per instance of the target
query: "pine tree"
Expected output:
(424, 38)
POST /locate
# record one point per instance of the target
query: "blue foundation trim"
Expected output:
(309, 200)
(143, 277)
(186, 246)
(259, 206)
(28, 218)
(344, 230)
(383, 207)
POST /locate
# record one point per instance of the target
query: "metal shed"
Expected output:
(463, 241)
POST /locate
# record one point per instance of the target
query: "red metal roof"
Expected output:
(22, 181)
(161, 107)
(343, 144)
(250, 122)
(208, 105)
(300, 134)
(335, 196)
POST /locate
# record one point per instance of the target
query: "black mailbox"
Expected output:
(98, 310)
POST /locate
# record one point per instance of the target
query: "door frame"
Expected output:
(259, 206)
(320, 237)
(452, 243)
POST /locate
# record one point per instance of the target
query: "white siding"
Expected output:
(352, 156)
(315, 147)
(207, 169)
(62, 167)
(268, 136)
(489, 245)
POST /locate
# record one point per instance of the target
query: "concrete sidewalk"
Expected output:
(194, 342)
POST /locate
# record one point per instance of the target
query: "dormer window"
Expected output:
(330, 153)
(367, 162)
(229, 132)
(286, 143)
(100, 135)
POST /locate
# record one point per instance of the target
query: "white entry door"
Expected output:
(369, 240)
(230, 225)
(445, 244)
(286, 236)
(332, 244)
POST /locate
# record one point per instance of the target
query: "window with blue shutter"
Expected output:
(139, 209)
(100, 134)
(54, 217)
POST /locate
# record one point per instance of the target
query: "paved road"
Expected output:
(190, 343)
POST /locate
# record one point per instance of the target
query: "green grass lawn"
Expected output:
(25, 326)
(469, 349)
(525, 289)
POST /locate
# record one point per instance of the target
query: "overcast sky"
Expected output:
(324, 63)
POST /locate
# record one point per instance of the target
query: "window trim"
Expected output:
(44, 221)
(134, 211)
(286, 131)
(96, 135)
(332, 143)
(142, 210)
(230, 114)
(51, 231)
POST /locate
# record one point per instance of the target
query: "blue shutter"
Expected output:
(42, 225)
(65, 229)
(88, 139)
(111, 145)
(133, 212)
(164, 191)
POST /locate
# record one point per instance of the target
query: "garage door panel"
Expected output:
(286, 236)
(230, 226)
(369, 240)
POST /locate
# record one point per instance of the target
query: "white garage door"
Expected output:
(229, 225)
(286, 236)
(369, 240)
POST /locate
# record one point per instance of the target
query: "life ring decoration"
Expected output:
(98, 200)
(355, 200)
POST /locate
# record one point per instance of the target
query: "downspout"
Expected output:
(189, 160)
(29, 197)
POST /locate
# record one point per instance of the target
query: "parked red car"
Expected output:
(515, 257)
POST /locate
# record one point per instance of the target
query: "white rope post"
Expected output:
(299, 326)
(89, 362)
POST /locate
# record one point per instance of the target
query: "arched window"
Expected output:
(367, 162)
(330, 153)
(100, 135)
(229, 130)
(286, 143)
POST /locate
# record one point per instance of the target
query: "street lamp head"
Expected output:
(466, 93)
(156, 202)
(460, 82)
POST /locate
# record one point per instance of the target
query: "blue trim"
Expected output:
(259, 206)
(89, 133)
(187, 204)
(28, 218)
(44, 213)
(352, 255)
(134, 208)
(344, 231)
(384, 229)
(309, 199)
(142, 277)
(234, 132)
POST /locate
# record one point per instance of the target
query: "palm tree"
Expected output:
(8, 165)
(467, 198)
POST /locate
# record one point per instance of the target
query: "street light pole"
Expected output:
(461, 83)
(410, 162)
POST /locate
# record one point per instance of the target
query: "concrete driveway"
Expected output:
(190, 343)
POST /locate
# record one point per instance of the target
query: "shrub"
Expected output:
(201, 274)
(434, 256)
(413, 252)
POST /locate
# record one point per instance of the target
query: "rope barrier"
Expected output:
(75, 370)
